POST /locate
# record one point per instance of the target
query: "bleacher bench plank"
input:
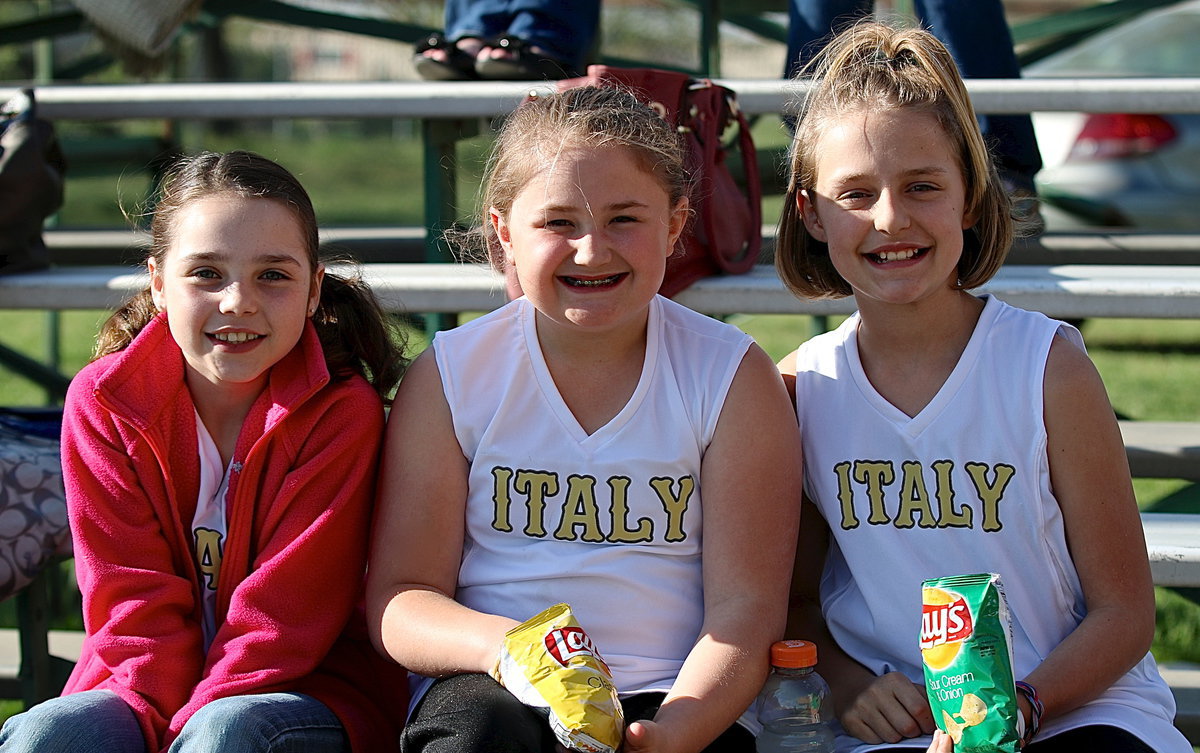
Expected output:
(1184, 680)
(91, 246)
(1162, 449)
(1074, 291)
(1173, 545)
(1155, 449)
(484, 99)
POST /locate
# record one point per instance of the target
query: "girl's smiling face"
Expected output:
(589, 236)
(889, 203)
(237, 286)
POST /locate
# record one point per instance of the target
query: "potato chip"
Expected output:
(974, 710)
(952, 727)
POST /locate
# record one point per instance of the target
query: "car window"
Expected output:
(1159, 45)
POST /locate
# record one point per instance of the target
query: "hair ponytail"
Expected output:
(125, 323)
(356, 335)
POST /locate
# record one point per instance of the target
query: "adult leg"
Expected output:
(736, 739)
(474, 714)
(1094, 739)
(96, 721)
(811, 23)
(977, 35)
(476, 18)
(266, 723)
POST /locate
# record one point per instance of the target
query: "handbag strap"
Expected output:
(719, 110)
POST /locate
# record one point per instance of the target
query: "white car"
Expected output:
(1124, 169)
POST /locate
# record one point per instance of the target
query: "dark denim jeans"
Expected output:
(566, 29)
(975, 32)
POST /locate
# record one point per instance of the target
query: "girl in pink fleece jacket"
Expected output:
(219, 458)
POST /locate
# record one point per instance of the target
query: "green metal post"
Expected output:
(44, 74)
(36, 672)
(904, 8)
(819, 325)
(441, 194)
(710, 37)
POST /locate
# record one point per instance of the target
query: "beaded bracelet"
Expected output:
(1036, 710)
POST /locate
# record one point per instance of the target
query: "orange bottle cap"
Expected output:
(793, 654)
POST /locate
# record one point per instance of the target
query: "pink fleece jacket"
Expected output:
(299, 507)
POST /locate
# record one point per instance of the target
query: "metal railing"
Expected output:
(482, 99)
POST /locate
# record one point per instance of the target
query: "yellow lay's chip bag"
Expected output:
(966, 647)
(549, 662)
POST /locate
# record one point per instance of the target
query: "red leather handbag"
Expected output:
(726, 233)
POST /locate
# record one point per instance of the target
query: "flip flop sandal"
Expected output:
(458, 65)
(522, 65)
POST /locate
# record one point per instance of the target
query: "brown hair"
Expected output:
(874, 65)
(356, 335)
(593, 116)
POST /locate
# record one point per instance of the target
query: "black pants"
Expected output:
(1097, 738)
(475, 714)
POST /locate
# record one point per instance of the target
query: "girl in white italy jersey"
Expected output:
(590, 443)
(946, 433)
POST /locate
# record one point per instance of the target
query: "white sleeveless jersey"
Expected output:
(963, 487)
(609, 523)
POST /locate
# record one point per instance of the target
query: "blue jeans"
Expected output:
(566, 29)
(975, 32)
(98, 721)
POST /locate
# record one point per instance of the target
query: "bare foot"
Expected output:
(468, 45)
(501, 53)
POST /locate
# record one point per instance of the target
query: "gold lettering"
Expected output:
(536, 486)
(580, 509)
(991, 494)
(208, 556)
(914, 498)
(948, 517)
(876, 474)
(622, 533)
(501, 499)
(846, 495)
(675, 506)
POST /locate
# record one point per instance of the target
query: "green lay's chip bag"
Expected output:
(966, 648)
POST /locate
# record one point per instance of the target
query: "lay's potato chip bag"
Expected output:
(549, 662)
(966, 647)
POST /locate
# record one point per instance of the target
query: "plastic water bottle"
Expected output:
(794, 703)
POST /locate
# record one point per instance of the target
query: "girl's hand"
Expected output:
(941, 743)
(888, 709)
(642, 736)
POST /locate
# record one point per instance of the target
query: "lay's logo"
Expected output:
(565, 643)
(945, 623)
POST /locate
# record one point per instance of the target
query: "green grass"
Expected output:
(356, 173)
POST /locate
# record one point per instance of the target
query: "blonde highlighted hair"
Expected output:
(544, 126)
(877, 66)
